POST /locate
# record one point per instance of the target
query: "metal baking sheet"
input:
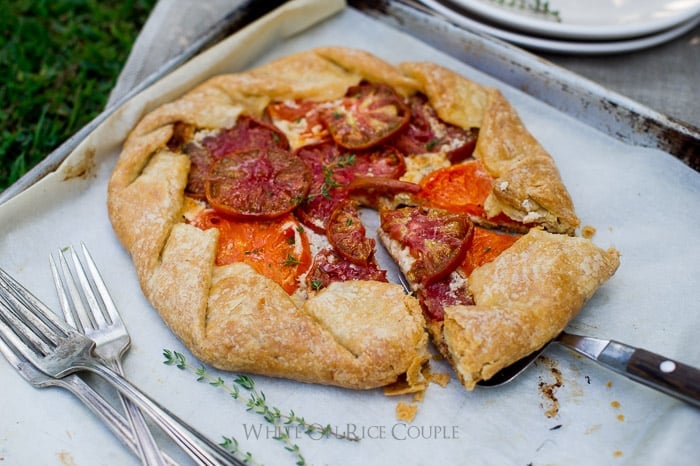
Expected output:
(565, 410)
(587, 101)
(568, 92)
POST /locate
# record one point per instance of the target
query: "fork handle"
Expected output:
(202, 450)
(148, 449)
(104, 411)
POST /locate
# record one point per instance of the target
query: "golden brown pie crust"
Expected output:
(353, 334)
(522, 300)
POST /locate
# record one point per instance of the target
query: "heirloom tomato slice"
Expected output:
(437, 239)
(257, 183)
(368, 115)
(328, 266)
(278, 248)
(485, 247)
(458, 188)
(347, 234)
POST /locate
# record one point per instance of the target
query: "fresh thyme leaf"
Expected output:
(316, 284)
(290, 261)
(245, 382)
(231, 444)
(174, 358)
(256, 401)
(345, 161)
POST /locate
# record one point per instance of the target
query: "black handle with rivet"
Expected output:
(653, 370)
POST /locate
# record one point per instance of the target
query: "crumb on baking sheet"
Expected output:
(440, 378)
(406, 411)
(548, 390)
(588, 231)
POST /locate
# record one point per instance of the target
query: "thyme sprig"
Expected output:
(243, 389)
(231, 444)
(329, 181)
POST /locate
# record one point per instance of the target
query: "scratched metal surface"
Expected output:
(570, 93)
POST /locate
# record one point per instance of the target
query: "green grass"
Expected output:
(59, 59)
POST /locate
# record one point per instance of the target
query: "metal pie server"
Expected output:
(666, 375)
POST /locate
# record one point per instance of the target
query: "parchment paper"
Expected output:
(642, 202)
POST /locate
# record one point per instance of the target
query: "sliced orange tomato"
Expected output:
(459, 188)
(486, 245)
(277, 248)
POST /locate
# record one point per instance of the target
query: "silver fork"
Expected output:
(101, 322)
(31, 329)
(74, 384)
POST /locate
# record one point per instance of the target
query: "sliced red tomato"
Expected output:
(369, 190)
(333, 170)
(486, 245)
(436, 296)
(200, 162)
(328, 266)
(347, 234)
(382, 161)
(426, 132)
(294, 111)
(437, 239)
(247, 133)
(458, 188)
(278, 249)
(330, 173)
(368, 115)
(257, 183)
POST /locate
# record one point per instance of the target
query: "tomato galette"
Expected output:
(244, 204)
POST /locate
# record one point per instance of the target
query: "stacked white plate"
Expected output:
(575, 26)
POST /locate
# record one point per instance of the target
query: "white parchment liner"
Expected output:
(643, 202)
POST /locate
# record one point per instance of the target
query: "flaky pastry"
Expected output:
(356, 334)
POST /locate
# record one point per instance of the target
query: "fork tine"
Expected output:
(76, 306)
(88, 290)
(17, 333)
(63, 299)
(21, 301)
(101, 286)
